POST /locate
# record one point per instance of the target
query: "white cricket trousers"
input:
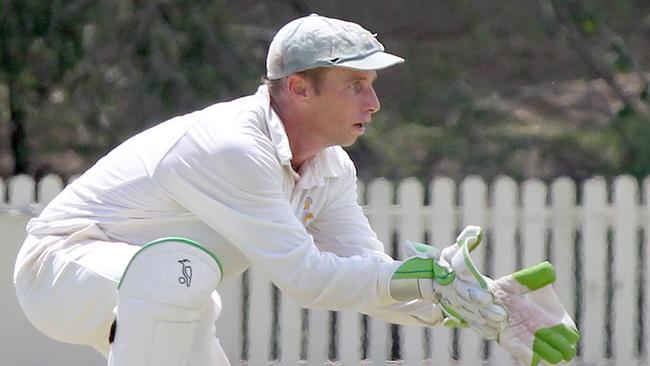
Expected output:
(67, 287)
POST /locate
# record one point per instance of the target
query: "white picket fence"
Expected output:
(595, 234)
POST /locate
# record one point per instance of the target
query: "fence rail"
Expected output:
(595, 233)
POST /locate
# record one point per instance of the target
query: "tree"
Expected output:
(40, 41)
(606, 54)
(85, 75)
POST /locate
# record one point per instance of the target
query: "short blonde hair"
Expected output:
(315, 76)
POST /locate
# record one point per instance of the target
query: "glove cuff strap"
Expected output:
(407, 289)
(414, 279)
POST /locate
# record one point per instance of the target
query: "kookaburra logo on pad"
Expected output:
(186, 270)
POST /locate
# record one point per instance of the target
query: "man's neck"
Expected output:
(302, 143)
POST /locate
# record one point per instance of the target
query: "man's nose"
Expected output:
(373, 101)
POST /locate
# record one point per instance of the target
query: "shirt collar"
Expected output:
(326, 164)
(277, 133)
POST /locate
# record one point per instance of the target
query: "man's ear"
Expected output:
(298, 86)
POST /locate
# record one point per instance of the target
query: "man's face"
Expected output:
(344, 106)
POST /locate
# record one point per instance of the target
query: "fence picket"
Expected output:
(594, 248)
(380, 206)
(350, 330)
(318, 337)
(349, 342)
(290, 331)
(259, 317)
(563, 224)
(443, 229)
(229, 323)
(410, 199)
(380, 201)
(48, 188)
(534, 222)
(474, 212)
(21, 192)
(624, 309)
(2, 194)
(504, 228)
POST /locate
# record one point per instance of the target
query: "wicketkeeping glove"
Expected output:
(450, 279)
(539, 329)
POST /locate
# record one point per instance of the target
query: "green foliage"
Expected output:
(632, 135)
(622, 61)
(643, 95)
(39, 43)
(586, 15)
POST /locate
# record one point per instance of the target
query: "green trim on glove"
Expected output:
(450, 322)
(453, 319)
(424, 268)
(479, 238)
(415, 268)
(470, 264)
(554, 344)
(537, 276)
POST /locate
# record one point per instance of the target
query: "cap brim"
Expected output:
(375, 61)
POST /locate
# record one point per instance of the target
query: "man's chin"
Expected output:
(349, 142)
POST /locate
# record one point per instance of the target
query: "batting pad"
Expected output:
(161, 296)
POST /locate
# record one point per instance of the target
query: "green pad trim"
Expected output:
(173, 239)
(537, 276)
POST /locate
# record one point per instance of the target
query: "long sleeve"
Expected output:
(234, 183)
(342, 228)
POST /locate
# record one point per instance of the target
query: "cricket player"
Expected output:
(127, 258)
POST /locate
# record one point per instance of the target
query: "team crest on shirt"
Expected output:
(307, 216)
